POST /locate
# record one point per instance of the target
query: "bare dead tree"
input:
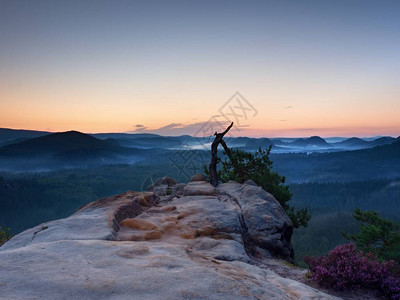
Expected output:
(214, 158)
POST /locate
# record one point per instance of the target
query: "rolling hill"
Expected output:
(63, 142)
(357, 143)
(71, 149)
(371, 163)
(254, 144)
(310, 142)
(353, 142)
(8, 136)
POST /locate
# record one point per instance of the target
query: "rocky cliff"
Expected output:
(175, 241)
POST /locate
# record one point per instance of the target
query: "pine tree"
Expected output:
(377, 235)
(242, 166)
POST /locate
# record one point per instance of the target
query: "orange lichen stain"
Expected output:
(113, 201)
(238, 274)
(129, 194)
(168, 208)
(170, 219)
(185, 214)
(138, 224)
(243, 291)
(188, 235)
(213, 233)
(151, 235)
(162, 209)
(145, 199)
(149, 198)
(133, 238)
(169, 227)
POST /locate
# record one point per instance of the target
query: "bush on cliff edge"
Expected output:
(242, 166)
(5, 235)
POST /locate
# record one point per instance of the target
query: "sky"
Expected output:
(274, 68)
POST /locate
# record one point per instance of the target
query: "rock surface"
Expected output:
(175, 241)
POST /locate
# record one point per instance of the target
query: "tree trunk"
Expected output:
(214, 158)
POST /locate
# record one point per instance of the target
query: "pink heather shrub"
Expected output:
(346, 268)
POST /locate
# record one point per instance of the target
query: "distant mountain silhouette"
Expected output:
(8, 136)
(57, 143)
(123, 135)
(377, 162)
(309, 142)
(70, 149)
(151, 142)
(386, 140)
(353, 142)
(242, 140)
(264, 143)
(388, 150)
(358, 143)
(118, 142)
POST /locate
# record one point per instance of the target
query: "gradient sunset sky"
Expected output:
(329, 68)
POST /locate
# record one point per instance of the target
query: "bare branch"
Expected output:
(214, 158)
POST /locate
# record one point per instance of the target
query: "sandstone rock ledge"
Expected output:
(174, 242)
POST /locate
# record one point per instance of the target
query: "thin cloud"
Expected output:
(171, 126)
(139, 128)
(192, 128)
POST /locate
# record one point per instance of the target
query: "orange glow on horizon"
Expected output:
(283, 112)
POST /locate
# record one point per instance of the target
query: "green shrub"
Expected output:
(242, 166)
(5, 235)
(377, 235)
